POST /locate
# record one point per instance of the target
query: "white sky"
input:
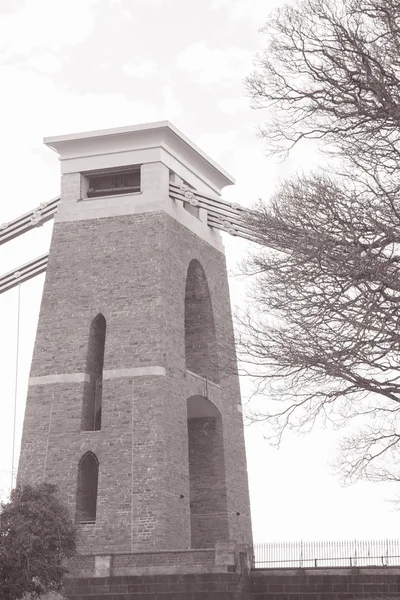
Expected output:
(76, 65)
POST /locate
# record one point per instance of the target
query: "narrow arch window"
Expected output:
(86, 494)
(93, 389)
(207, 479)
(200, 338)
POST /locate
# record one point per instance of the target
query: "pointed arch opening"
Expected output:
(93, 389)
(207, 482)
(86, 493)
(200, 339)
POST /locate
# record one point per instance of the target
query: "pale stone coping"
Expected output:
(199, 181)
(103, 566)
(59, 378)
(133, 372)
(161, 134)
(158, 570)
(142, 552)
(107, 374)
(261, 572)
(217, 385)
(171, 570)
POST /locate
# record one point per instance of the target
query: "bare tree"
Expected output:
(331, 72)
(323, 333)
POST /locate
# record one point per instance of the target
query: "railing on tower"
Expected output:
(336, 553)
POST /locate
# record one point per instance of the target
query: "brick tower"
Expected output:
(131, 410)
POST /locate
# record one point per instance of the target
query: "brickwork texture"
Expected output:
(329, 584)
(211, 586)
(164, 481)
(326, 584)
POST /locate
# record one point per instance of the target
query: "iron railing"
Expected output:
(344, 553)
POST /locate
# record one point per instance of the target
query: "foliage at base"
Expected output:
(37, 536)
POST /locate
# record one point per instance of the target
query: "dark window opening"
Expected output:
(111, 183)
(207, 481)
(86, 495)
(200, 336)
(92, 391)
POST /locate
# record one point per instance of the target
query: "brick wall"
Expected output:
(318, 584)
(143, 563)
(179, 559)
(205, 586)
(326, 584)
(132, 269)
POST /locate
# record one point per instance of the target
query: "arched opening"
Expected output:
(92, 395)
(200, 339)
(86, 494)
(208, 502)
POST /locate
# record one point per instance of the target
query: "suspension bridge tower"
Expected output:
(132, 409)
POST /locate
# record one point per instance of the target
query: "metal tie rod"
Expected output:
(24, 273)
(222, 215)
(46, 211)
(34, 218)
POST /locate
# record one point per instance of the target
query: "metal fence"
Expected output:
(355, 553)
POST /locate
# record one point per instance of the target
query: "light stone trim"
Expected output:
(168, 570)
(133, 372)
(60, 378)
(110, 159)
(134, 204)
(107, 374)
(191, 374)
(102, 566)
(161, 136)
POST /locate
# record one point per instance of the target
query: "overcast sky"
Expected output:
(77, 65)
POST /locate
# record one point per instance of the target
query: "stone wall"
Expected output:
(326, 584)
(329, 584)
(208, 586)
(147, 563)
(280, 584)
